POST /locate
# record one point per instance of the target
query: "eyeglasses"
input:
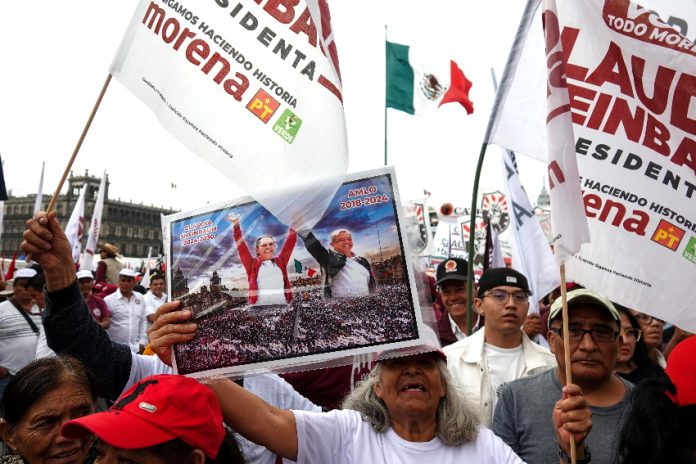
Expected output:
(647, 320)
(502, 296)
(599, 334)
(634, 333)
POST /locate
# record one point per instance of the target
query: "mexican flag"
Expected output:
(418, 82)
(304, 270)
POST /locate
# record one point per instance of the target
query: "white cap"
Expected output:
(126, 272)
(85, 274)
(25, 273)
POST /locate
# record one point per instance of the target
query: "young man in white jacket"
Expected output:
(499, 352)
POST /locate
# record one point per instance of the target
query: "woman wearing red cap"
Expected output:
(661, 427)
(162, 419)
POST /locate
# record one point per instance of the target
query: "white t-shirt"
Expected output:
(352, 280)
(271, 285)
(342, 437)
(504, 365)
(153, 302)
(17, 339)
(128, 320)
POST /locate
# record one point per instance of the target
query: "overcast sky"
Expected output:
(56, 57)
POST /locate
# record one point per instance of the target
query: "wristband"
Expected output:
(566, 458)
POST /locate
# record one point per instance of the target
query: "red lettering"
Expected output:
(281, 10)
(686, 154)
(621, 115)
(656, 136)
(197, 49)
(661, 85)
(305, 25)
(555, 173)
(612, 69)
(683, 94)
(568, 39)
(591, 201)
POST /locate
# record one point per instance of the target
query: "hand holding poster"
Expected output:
(235, 266)
(631, 81)
(253, 89)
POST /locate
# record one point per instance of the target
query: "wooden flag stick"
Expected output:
(52, 204)
(566, 351)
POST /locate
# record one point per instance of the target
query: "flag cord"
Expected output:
(472, 224)
(566, 352)
(51, 205)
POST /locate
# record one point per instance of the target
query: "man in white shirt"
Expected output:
(128, 319)
(500, 352)
(155, 297)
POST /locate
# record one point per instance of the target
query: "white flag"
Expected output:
(519, 111)
(531, 253)
(255, 91)
(74, 229)
(631, 79)
(94, 227)
(39, 193)
(568, 219)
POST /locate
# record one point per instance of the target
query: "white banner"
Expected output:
(74, 229)
(632, 87)
(517, 121)
(94, 227)
(448, 241)
(531, 253)
(249, 89)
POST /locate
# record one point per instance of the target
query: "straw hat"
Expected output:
(109, 248)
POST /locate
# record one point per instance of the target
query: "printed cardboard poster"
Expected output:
(266, 297)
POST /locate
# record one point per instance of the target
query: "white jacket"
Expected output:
(468, 366)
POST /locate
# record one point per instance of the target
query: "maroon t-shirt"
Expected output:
(98, 308)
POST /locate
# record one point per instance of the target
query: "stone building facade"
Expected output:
(133, 228)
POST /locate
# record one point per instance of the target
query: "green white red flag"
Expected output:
(418, 82)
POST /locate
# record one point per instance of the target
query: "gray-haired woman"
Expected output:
(408, 411)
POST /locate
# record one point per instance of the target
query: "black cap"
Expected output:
(501, 277)
(451, 269)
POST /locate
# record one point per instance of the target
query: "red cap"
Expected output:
(156, 410)
(681, 370)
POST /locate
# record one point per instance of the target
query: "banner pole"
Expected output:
(51, 205)
(566, 351)
(472, 224)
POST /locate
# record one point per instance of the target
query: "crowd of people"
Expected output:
(500, 392)
(234, 335)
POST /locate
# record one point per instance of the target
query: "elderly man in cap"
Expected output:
(98, 308)
(500, 352)
(20, 327)
(109, 267)
(128, 313)
(451, 284)
(521, 418)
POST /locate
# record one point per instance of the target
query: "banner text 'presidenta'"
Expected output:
(199, 52)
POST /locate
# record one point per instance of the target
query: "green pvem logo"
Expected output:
(690, 250)
(287, 126)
